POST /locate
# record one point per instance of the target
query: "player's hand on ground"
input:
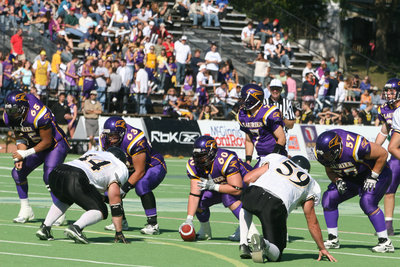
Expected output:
(324, 253)
(205, 184)
(341, 186)
(119, 237)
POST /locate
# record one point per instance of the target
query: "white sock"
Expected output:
(245, 219)
(88, 218)
(272, 251)
(56, 211)
(24, 203)
(333, 231)
(388, 219)
(382, 234)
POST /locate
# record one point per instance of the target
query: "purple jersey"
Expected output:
(226, 163)
(38, 117)
(261, 126)
(139, 57)
(386, 114)
(352, 164)
(7, 69)
(133, 143)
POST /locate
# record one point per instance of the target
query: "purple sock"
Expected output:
(237, 210)
(378, 221)
(22, 191)
(331, 218)
(151, 212)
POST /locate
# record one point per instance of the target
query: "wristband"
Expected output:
(374, 175)
(248, 157)
(127, 186)
(216, 187)
(385, 135)
(26, 153)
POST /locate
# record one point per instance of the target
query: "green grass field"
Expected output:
(20, 247)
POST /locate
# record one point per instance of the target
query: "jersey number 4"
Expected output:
(96, 165)
(294, 175)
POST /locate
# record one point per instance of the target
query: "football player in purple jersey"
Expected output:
(262, 124)
(386, 111)
(147, 167)
(216, 176)
(39, 141)
(356, 167)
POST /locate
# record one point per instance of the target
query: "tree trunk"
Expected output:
(382, 27)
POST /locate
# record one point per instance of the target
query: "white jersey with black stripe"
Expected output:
(102, 168)
(287, 181)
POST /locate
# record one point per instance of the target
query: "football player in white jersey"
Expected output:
(84, 181)
(275, 188)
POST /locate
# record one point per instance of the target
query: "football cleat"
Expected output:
(111, 227)
(150, 229)
(25, 214)
(44, 233)
(205, 231)
(60, 221)
(75, 233)
(259, 248)
(332, 242)
(245, 252)
(385, 245)
(235, 236)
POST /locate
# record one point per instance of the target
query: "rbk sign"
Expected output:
(177, 137)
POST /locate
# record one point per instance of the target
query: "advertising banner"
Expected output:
(173, 137)
(310, 135)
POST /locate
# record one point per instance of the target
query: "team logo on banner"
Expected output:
(310, 137)
(293, 143)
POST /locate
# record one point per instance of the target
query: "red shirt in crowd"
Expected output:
(16, 42)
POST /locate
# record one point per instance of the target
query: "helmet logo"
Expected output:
(120, 123)
(334, 142)
(211, 144)
(20, 97)
(254, 93)
(398, 83)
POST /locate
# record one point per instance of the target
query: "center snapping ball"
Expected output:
(187, 232)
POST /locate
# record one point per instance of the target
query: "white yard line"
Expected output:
(70, 259)
(24, 243)
(345, 253)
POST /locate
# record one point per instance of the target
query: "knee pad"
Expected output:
(328, 202)
(117, 210)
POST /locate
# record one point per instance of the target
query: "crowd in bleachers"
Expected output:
(125, 52)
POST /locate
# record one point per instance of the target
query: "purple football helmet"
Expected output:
(328, 148)
(204, 152)
(16, 104)
(251, 96)
(391, 90)
(114, 131)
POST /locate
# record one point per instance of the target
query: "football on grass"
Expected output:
(187, 232)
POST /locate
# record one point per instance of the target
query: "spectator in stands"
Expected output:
(320, 70)
(220, 97)
(365, 84)
(41, 69)
(88, 78)
(286, 45)
(332, 65)
(262, 69)
(327, 117)
(92, 51)
(95, 11)
(307, 69)
(85, 22)
(142, 89)
(113, 90)
(61, 112)
(87, 37)
(222, 5)
(196, 13)
(355, 86)
(332, 88)
(213, 59)
(91, 111)
(355, 118)
(340, 94)
(196, 61)
(7, 81)
(291, 87)
(72, 24)
(101, 73)
(307, 116)
(170, 102)
(366, 114)
(55, 70)
(283, 78)
(16, 44)
(269, 49)
(201, 78)
(162, 33)
(281, 52)
(308, 89)
(169, 46)
(208, 112)
(73, 110)
(210, 14)
(162, 61)
(183, 55)
(27, 77)
(365, 100)
(188, 82)
(71, 77)
(247, 37)
(183, 8)
(170, 73)
(276, 28)
(263, 30)
(321, 92)
(233, 101)
(66, 55)
(126, 75)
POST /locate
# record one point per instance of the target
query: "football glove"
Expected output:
(189, 220)
(341, 186)
(119, 236)
(370, 182)
(278, 149)
(205, 184)
(125, 189)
